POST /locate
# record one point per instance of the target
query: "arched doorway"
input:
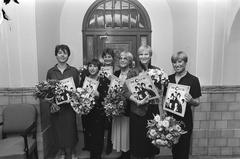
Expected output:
(117, 24)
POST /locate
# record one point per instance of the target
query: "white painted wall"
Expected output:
(71, 28)
(232, 55)
(18, 66)
(206, 29)
(48, 33)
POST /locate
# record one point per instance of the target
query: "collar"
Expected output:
(55, 68)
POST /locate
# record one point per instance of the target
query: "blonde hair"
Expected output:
(179, 56)
(129, 56)
(145, 48)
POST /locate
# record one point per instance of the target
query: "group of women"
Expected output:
(126, 133)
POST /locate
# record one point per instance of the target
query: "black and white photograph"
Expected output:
(195, 42)
(90, 84)
(106, 71)
(175, 101)
(68, 84)
(115, 82)
(142, 86)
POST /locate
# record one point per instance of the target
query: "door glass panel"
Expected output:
(143, 40)
(125, 5)
(141, 21)
(125, 17)
(92, 21)
(108, 5)
(100, 7)
(117, 22)
(100, 19)
(89, 48)
(108, 18)
(117, 4)
(133, 19)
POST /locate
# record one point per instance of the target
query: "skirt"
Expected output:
(65, 127)
(120, 133)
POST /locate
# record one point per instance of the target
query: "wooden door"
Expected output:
(118, 44)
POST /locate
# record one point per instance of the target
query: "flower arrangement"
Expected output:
(46, 89)
(164, 130)
(82, 70)
(159, 77)
(82, 101)
(114, 102)
(51, 90)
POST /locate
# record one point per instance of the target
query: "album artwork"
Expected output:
(69, 85)
(90, 84)
(141, 86)
(175, 101)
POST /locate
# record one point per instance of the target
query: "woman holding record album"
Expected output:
(141, 111)
(183, 77)
(93, 123)
(120, 125)
(108, 61)
(64, 120)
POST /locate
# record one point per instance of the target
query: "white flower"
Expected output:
(153, 132)
(160, 129)
(166, 123)
(178, 128)
(168, 118)
(169, 136)
(157, 118)
(160, 142)
(159, 124)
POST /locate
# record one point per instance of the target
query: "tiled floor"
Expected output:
(80, 154)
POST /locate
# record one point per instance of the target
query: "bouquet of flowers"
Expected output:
(82, 101)
(46, 89)
(51, 90)
(82, 70)
(164, 130)
(159, 77)
(114, 102)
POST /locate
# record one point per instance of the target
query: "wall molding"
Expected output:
(17, 91)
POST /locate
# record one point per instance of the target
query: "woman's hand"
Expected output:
(54, 108)
(95, 93)
(143, 101)
(188, 98)
(191, 100)
(139, 102)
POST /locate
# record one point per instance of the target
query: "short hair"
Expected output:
(129, 57)
(62, 47)
(108, 51)
(145, 48)
(95, 62)
(179, 56)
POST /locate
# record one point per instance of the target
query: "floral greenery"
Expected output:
(114, 102)
(46, 89)
(164, 130)
(50, 90)
(159, 77)
(82, 101)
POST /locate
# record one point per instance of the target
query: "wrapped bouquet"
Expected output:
(114, 102)
(46, 89)
(52, 91)
(164, 130)
(82, 101)
(159, 77)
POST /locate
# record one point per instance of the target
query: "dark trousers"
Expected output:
(182, 148)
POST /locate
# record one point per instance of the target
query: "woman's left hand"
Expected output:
(188, 98)
(95, 93)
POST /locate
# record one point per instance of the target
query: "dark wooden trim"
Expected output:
(221, 89)
(17, 91)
